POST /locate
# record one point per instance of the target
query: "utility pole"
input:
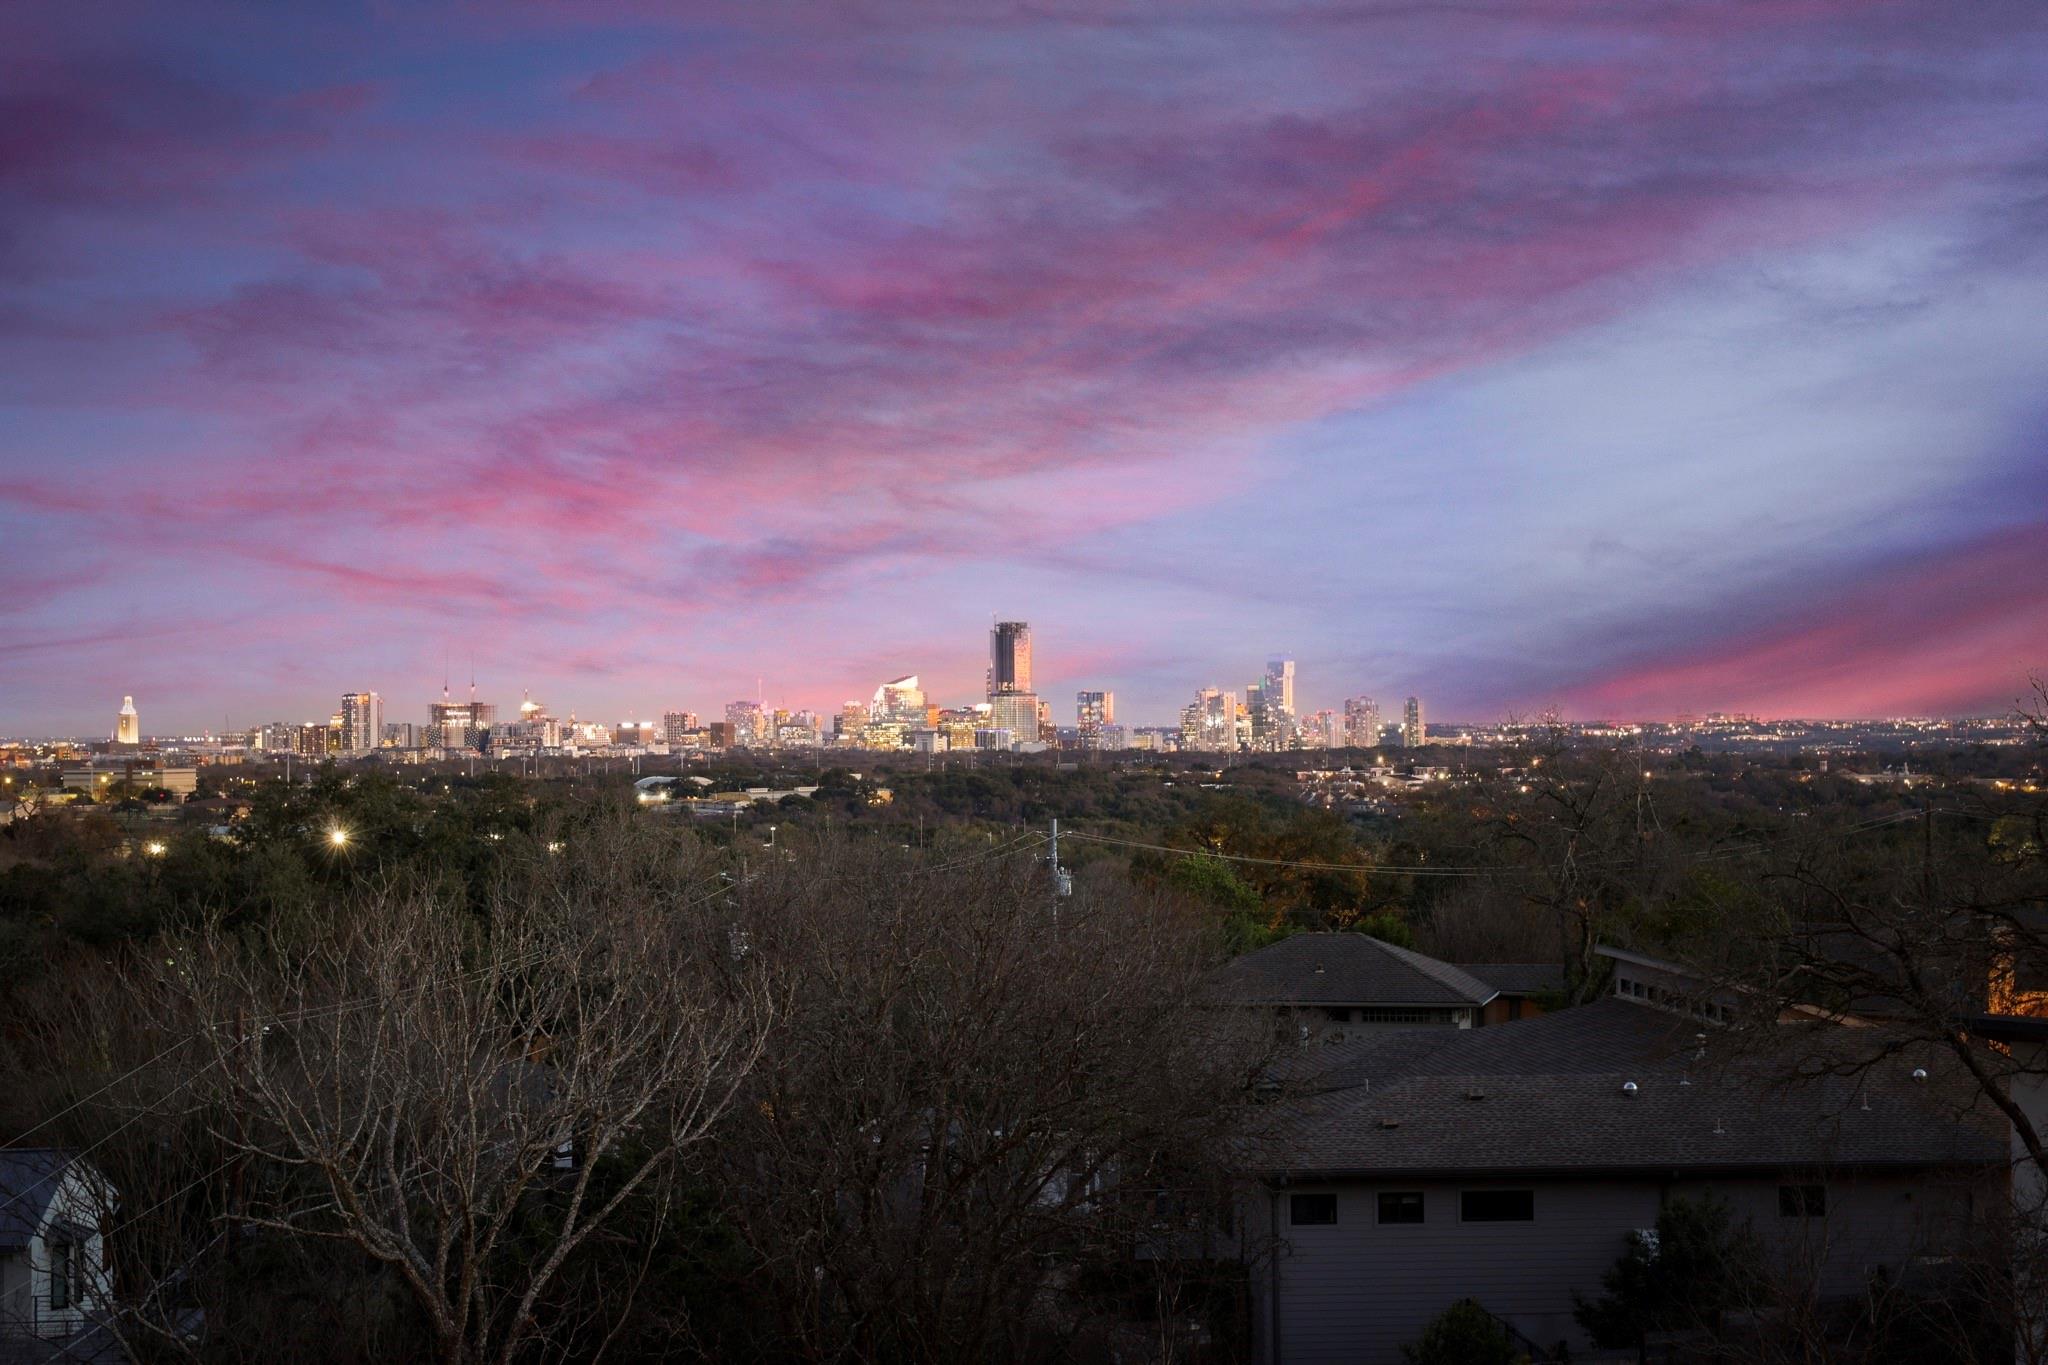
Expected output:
(1062, 884)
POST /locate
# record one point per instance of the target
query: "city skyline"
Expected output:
(1679, 356)
(478, 708)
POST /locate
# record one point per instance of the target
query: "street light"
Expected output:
(154, 848)
(337, 837)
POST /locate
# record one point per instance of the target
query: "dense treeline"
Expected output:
(1452, 867)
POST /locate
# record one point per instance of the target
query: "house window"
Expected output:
(1396, 1014)
(1497, 1206)
(1312, 1210)
(1401, 1206)
(1802, 1201)
(62, 1271)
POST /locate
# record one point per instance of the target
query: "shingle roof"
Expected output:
(1517, 978)
(1546, 1096)
(1347, 969)
(29, 1177)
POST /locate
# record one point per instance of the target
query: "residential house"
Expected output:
(52, 1259)
(1342, 984)
(1510, 1164)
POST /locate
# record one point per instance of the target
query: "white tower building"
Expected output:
(127, 725)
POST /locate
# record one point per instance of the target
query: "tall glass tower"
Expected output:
(1009, 658)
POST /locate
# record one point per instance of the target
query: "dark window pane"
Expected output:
(1497, 1206)
(1307, 1210)
(1401, 1206)
(60, 1276)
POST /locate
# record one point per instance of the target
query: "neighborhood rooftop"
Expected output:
(29, 1178)
(1517, 978)
(1553, 1095)
(1348, 969)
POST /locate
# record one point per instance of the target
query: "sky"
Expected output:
(1626, 357)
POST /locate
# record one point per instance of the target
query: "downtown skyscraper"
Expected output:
(1012, 705)
(1278, 685)
(362, 722)
(1009, 658)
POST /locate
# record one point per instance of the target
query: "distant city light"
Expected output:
(337, 837)
(154, 848)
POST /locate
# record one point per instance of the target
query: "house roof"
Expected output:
(29, 1180)
(1347, 969)
(1517, 978)
(1547, 1096)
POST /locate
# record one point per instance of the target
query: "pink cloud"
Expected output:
(1953, 633)
(770, 316)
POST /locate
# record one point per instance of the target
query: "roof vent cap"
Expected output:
(1920, 1073)
(1629, 1088)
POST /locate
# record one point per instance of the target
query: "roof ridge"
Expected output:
(1438, 970)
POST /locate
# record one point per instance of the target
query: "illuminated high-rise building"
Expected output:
(314, 740)
(1095, 720)
(1215, 722)
(532, 731)
(899, 699)
(1413, 731)
(127, 725)
(362, 722)
(675, 725)
(1278, 685)
(852, 722)
(1362, 722)
(1009, 658)
(749, 723)
(1092, 711)
(459, 724)
(1016, 712)
(635, 734)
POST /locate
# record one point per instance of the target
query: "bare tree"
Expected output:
(1579, 826)
(983, 1093)
(466, 1098)
(1923, 931)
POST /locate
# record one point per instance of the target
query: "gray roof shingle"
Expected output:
(1546, 1096)
(1347, 969)
(29, 1177)
(1517, 978)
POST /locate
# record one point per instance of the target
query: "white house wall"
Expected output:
(1353, 1293)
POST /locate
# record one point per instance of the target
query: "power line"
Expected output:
(130, 1122)
(87, 1099)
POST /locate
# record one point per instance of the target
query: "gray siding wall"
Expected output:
(1352, 1293)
